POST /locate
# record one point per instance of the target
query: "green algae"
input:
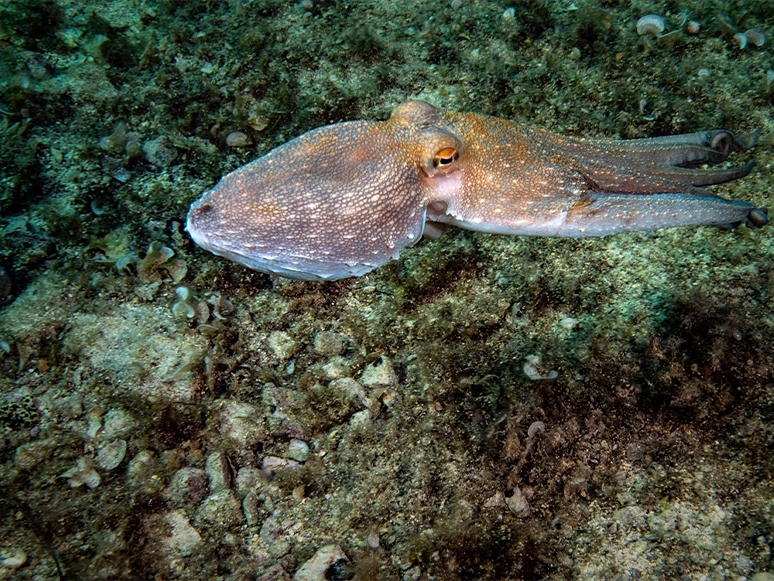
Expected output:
(661, 412)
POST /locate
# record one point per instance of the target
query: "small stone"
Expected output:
(379, 373)
(330, 344)
(282, 344)
(351, 389)
(32, 454)
(12, 558)
(634, 453)
(298, 450)
(336, 368)
(251, 507)
(496, 501)
(111, 455)
(272, 464)
(744, 565)
(188, 486)
(82, 473)
(94, 421)
(237, 139)
(535, 428)
(412, 574)
(184, 538)
(221, 508)
(517, 503)
(373, 540)
(160, 151)
(117, 423)
(218, 471)
(316, 568)
(143, 471)
(241, 423)
(248, 480)
(534, 370)
(361, 419)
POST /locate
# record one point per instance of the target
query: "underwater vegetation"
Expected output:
(485, 407)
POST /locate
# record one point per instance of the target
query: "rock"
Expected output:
(361, 419)
(517, 503)
(12, 557)
(249, 479)
(329, 557)
(160, 152)
(272, 464)
(111, 455)
(533, 368)
(336, 368)
(251, 507)
(218, 471)
(330, 344)
(282, 344)
(184, 538)
(143, 471)
(117, 423)
(351, 389)
(221, 508)
(241, 422)
(765, 576)
(298, 450)
(188, 486)
(82, 473)
(379, 373)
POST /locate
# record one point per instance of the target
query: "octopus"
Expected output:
(346, 198)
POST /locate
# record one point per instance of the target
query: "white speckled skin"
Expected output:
(343, 199)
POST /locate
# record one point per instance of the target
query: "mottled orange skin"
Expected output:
(343, 199)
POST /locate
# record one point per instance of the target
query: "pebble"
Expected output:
(251, 507)
(240, 422)
(221, 508)
(330, 344)
(117, 423)
(142, 471)
(82, 473)
(218, 471)
(249, 479)
(379, 373)
(534, 428)
(351, 389)
(184, 538)
(237, 139)
(12, 558)
(188, 486)
(361, 419)
(336, 368)
(298, 450)
(160, 152)
(111, 455)
(272, 464)
(282, 344)
(316, 568)
(517, 503)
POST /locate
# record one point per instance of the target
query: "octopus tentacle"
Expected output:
(688, 150)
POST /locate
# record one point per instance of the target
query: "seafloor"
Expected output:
(168, 414)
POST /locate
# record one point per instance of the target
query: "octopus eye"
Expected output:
(445, 157)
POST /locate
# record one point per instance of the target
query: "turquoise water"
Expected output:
(169, 414)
